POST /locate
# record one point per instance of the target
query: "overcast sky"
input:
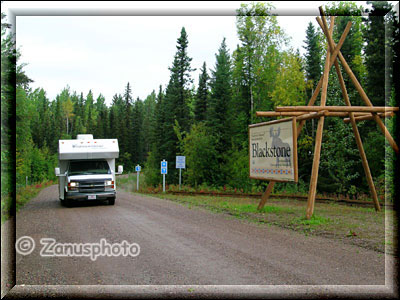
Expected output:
(103, 53)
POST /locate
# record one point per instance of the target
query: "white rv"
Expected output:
(86, 169)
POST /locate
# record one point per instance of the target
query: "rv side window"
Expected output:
(87, 167)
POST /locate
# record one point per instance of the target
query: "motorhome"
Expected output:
(86, 169)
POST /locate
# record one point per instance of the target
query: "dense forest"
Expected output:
(208, 123)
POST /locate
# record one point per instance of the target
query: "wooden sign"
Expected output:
(273, 150)
(351, 113)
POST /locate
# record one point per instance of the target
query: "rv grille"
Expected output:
(91, 186)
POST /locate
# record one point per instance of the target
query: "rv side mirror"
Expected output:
(120, 169)
(57, 170)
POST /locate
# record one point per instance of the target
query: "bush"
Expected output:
(151, 171)
(201, 156)
(237, 170)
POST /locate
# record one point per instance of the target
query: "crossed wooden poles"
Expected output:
(352, 114)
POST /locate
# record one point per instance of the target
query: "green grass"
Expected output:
(351, 224)
(252, 208)
(313, 221)
(362, 226)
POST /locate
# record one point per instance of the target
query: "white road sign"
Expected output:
(180, 162)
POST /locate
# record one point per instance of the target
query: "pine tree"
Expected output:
(312, 56)
(128, 95)
(176, 102)
(158, 147)
(137, 134)
(374, 37)
(90, 113)
(220, 100)
(149, 122)
(127, 123)
(200, 107)
(116, 109)
(41, 118)
(100, 131)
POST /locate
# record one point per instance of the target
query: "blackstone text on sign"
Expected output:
(272, 151)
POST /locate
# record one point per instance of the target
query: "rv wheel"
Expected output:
(65, 203)
(111, 201)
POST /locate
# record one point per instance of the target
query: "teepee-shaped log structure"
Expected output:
(352, 114)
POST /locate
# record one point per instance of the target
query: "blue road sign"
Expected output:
(164, 167)
(138, 168)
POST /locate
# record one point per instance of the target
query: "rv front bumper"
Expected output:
(90, 196)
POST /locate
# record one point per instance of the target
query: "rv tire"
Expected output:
(65, 203)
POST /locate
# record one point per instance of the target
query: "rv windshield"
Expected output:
(87, 167)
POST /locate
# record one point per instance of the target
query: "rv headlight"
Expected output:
(72, 186)
(109, 183)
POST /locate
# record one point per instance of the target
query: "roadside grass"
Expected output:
(127, 182)
(362, 226)
(351, 224)
(23, 196)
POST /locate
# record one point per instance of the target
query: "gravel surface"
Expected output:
(182, 246)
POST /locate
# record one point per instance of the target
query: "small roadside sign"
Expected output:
(180, 162)
(137, 169)
(164, 167)
(164, 171)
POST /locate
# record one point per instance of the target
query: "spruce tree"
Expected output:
(200, 107)
(128, 123)
(100, 131)
(312, 56)
(220, 99)
(176, 102)
(137, 134)
(149, 119)
(220, 108)
(374, 37)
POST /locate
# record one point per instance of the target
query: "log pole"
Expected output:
(365, 109)
(358, 141)
(369, 117)
(266, 195)
(318, 140)
(319, 85)
(358, 87)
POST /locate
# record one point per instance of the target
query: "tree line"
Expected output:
(208, 123)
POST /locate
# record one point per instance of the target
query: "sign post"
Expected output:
(164, 170)
(180, 164)
(137, 169)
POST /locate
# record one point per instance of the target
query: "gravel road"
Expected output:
(182, 246)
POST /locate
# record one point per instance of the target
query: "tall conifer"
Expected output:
(200, 107)
(176, 100)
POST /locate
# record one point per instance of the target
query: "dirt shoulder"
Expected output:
(181, 245)
(354, 225)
